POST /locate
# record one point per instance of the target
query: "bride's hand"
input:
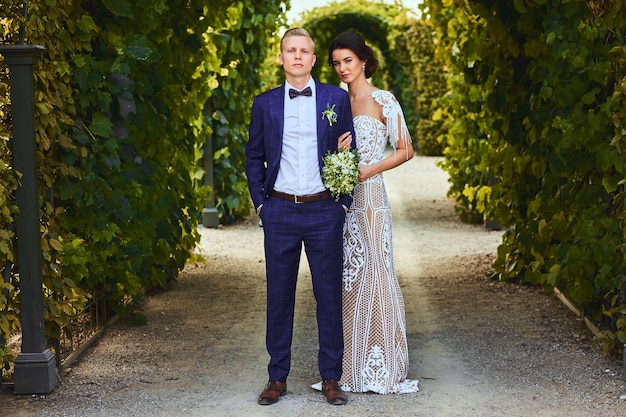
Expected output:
(366, 172)
(344, 141)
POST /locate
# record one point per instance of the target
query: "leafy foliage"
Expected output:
(536, 95)
(127, 93)
(243, 46)
(427, 81)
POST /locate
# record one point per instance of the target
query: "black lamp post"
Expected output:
(35, 366)
(210, 216)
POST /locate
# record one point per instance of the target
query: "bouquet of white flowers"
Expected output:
(341, 171)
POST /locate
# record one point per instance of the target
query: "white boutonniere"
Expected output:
(329, 114)
(341, 171)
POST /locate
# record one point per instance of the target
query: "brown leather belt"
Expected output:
(301, 198)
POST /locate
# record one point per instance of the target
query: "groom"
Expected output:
(288, 137)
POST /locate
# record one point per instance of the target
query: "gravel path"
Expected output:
(478, 348)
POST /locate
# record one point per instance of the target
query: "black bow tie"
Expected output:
(295, 93)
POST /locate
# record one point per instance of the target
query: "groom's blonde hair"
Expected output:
(296, 32)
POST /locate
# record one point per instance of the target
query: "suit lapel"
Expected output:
(278, 104)
(320, 105)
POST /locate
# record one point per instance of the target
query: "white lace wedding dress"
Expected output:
(376, 355)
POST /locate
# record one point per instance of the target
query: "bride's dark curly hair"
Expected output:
(355, 42)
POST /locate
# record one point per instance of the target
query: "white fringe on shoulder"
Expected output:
(394, 118)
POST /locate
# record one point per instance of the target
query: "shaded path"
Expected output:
(478, 348)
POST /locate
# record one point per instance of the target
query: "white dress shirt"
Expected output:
(299, 172)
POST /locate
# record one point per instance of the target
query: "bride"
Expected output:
(376, 354)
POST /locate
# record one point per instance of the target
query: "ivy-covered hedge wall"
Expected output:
(126, 95)
(427, 83)
(536, 123)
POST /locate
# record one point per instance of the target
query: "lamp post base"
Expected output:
(210, 218)
(35, 373)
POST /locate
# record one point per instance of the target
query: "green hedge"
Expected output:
(127, 93)
(427, 84)
(535, 116)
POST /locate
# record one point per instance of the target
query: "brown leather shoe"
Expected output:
(272, 392)
(334, 393)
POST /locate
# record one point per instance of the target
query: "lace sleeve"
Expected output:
(394, 119)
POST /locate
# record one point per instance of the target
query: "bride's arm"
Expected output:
(402, 153)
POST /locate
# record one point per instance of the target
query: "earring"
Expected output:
(363, 67)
